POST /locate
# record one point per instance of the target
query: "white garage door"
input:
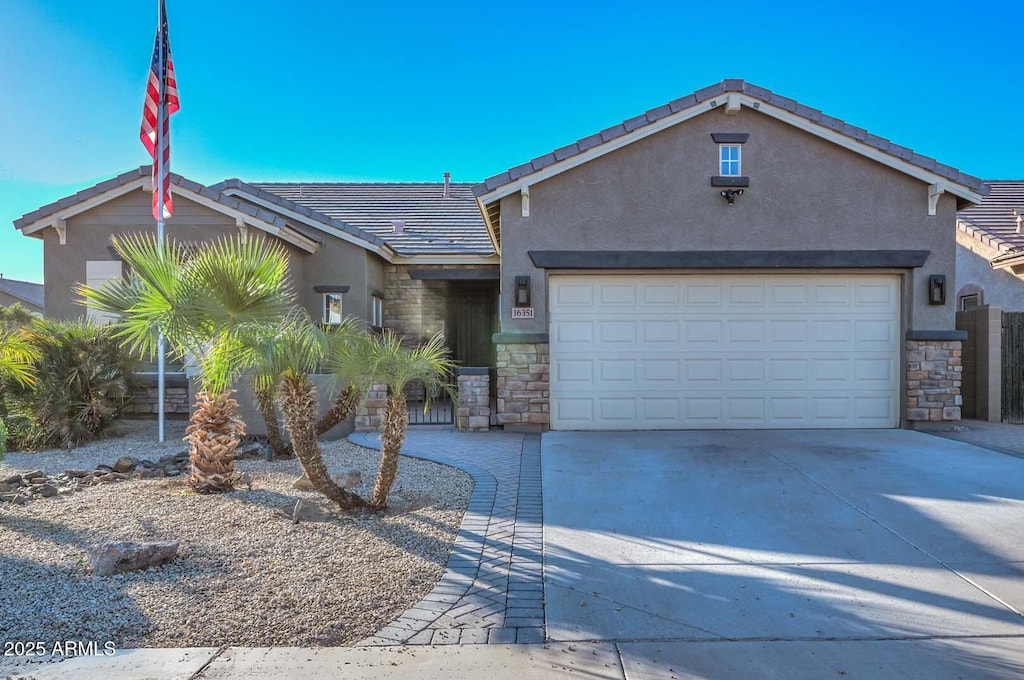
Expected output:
(724, 351)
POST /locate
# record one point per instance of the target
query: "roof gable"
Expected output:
(246, 214)
(730, 94)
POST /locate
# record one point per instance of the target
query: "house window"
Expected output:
(969, 301)
(729, 160)
(332, 308)
(377, 311)
(98, 273)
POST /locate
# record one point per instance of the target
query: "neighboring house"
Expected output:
(29, 295)
(732, 259)
(990, 249)
(655, 296)
(414, 257)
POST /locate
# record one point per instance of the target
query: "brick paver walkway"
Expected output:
(491, 591)
(1003, 437)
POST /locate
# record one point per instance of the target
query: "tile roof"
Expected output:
(83, 195)
(433, 224)
(718, 89)
(994, 220)
(27, 291)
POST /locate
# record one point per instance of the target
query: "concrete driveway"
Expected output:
(880, 553)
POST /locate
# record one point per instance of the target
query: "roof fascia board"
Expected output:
(490, 228)
(384, 252)
(88, 204)
(755, 104)
(288, 235)
(599, 150)
(446, 259)
(856, 146)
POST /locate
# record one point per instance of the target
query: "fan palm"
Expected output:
(205, 303)
(17, 356)
(285, 354)
(384, 360)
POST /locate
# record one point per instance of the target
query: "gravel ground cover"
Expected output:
(246, 573)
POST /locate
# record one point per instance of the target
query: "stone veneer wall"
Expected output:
(370, 411)
(146, 402)
(524, 387)
(934, 369)
(414, 310)
(474, 414)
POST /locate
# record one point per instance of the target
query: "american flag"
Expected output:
(162, 88)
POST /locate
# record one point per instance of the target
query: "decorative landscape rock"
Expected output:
(120, 556)
(25, 486)
(346, 479)
(124, 464)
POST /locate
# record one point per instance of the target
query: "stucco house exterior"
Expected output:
(732, 259)
(25, 293)
(654, 295)
(990, 249)
(413, 257)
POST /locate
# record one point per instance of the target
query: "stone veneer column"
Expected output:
(474, 400)
(370, 411)
(934, 370)
(523, 385)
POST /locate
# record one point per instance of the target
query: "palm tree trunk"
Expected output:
(213, 436)
(265, 404)
(392, 436)
(341, 408)
(298, 397)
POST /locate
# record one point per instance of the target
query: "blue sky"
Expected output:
(314, 90)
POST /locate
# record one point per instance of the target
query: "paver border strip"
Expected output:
(462, 590)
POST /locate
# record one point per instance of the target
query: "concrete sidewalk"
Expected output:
(965, 658)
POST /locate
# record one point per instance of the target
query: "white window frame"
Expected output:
(326, 308)
(376, 311)
(969, 296)
(724, 164)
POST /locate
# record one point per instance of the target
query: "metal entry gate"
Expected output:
(440, 410)
(1013, 367)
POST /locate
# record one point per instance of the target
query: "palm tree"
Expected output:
(386, 361)
(17, 356)
(285, 355)
(205, 303)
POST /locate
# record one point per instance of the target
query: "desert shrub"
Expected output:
(84, 379)
(16, 316)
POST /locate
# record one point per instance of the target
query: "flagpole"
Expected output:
(161, 118)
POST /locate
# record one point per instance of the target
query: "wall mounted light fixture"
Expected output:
(522, 298)
(730, 194)
(937, 289)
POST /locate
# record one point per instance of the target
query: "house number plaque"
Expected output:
(522, 312)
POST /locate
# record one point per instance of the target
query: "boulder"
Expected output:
(124, 464)
(119, 556)
(76, 473)
(48, 490)
(346, 479)
(12, 480)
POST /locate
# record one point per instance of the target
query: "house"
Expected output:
(990, 249)
(413, 257)
(25, 293)
(731, 259)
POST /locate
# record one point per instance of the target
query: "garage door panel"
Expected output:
(666, 352)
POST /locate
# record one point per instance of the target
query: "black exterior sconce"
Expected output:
(937, 289)
(522, 297)
(730, 194)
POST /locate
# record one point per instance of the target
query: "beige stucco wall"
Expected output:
(805, 194)
(338, 263)
(999, 287)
